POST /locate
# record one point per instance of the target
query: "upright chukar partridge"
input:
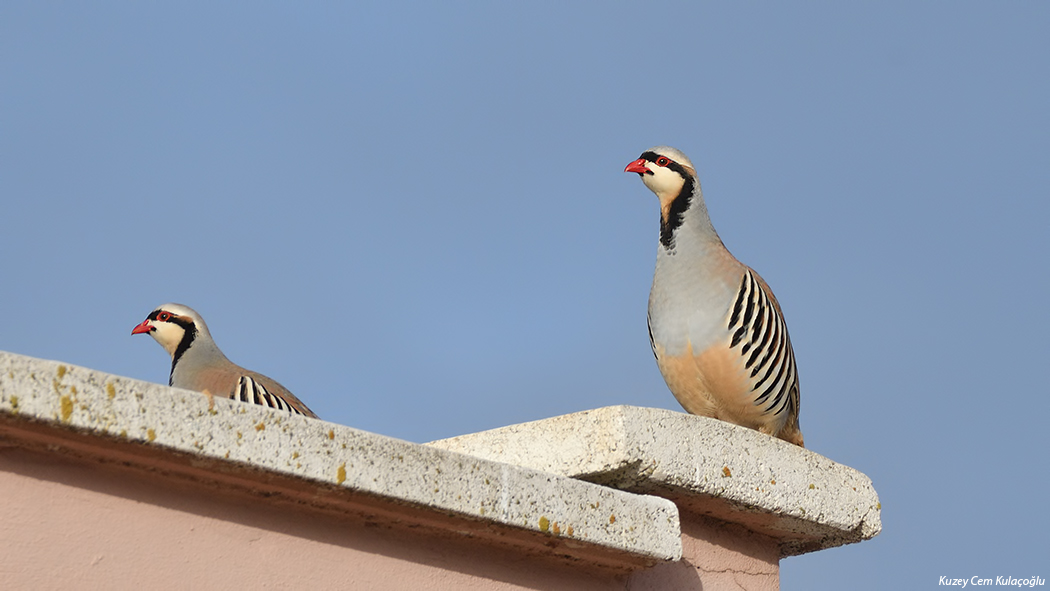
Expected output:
(198, 364)
(717, 331)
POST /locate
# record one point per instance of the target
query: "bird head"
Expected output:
(170, 325)
(664, 170)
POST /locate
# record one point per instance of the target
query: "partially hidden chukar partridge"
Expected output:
(717, 331)
(198, 364)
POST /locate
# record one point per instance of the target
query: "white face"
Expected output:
(663, 181)
(168, 334)
(161, 325)
(657, 167)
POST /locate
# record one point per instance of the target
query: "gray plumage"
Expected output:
(198, 364)
(715, 327)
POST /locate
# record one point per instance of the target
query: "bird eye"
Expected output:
(163, 316)
(663, 161)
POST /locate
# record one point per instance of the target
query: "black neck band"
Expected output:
(676, 213)
(189, 333)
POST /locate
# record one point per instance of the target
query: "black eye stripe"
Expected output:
(184, 321)
(671, 164)
(657, 159)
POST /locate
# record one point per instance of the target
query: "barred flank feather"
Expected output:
(252, 392)
(759, 331)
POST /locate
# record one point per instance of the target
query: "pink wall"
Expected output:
(111, 483)
(69, 522)
(74, 524)
(716, 555)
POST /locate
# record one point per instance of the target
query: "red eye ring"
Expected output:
(663, 161)
(163, 316)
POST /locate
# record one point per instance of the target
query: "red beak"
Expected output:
(637, 166)
(141, 328)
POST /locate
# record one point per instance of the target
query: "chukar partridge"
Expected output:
(198, 364)
(714, 325)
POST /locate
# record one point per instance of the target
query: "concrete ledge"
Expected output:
(802, 499)
(52, 406)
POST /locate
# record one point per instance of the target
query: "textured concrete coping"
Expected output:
(276, 455)
(804, 500)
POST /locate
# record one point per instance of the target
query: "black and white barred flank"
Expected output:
(760, 332)
(252, 392)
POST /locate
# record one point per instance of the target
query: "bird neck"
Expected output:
(194, 349)
(189, 334)
(684, 222)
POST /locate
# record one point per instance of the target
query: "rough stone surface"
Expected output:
(710, 467)
(225, 435)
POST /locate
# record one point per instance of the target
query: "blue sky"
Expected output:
(415, 217)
